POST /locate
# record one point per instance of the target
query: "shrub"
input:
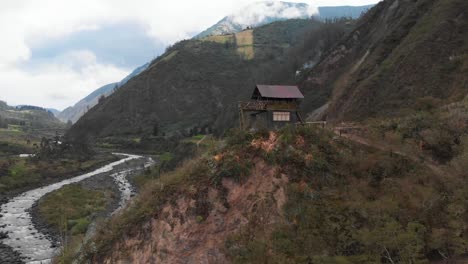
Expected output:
(236, 137)
(80, 226)
(231, 165)
(441, 143)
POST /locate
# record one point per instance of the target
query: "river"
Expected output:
(16, 220)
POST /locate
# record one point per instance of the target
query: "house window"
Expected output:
(281, 116)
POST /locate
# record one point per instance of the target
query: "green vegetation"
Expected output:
(206, 78)
(223, 39)
(14, 140)
(170, 56)
(198, 137)
(173, 157)
(398, 46)
(347, 203)
(19, 174)
(245, 44)
(21, 130)
(434, 132)
(166, 156)
(70, 210)
(400, 195)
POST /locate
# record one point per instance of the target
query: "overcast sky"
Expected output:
(55, 52)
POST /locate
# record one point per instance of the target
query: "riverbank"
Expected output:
(103, 183)
(19, 175)
(7, 254)
(22, 236)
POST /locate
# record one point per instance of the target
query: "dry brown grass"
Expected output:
(220, 39)
(245, 41)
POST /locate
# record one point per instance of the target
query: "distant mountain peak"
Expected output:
(261, 13)
(73, 113)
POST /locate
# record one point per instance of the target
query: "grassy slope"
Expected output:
(20, 130)
(346, 203)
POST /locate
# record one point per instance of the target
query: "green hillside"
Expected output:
(293, 196)
(197, 83)
(21, 128)
(383, 182)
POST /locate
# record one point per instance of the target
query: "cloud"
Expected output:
(123, 44)
(58, 83)
(255, 13)
(31, 21)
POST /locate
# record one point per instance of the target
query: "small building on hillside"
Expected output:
(271, 107)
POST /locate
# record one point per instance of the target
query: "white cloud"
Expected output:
(59, 83)
(257, 12)
(26, 22)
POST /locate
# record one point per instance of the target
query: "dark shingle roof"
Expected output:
(280, 91)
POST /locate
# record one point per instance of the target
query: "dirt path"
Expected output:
(201, 140)
(384, 147)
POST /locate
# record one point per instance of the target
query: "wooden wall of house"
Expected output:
(264, 120)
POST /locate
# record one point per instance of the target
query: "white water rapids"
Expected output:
(16, 220)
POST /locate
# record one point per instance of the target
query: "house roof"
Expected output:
(280, 91)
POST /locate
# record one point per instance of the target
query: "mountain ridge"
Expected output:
(197, 82)
(73, 113)
(249, 16)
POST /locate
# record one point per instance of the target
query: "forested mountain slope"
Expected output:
(400, 52)
(199, 82)
(73, 113)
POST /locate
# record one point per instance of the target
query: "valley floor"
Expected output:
(104, 183)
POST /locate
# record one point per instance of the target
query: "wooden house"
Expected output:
(271, 107)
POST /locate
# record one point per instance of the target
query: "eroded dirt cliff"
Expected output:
(194, 228)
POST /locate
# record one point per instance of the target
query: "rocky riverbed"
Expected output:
(22, 228)
(102, 182)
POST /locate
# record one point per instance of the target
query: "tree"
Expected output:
(394, 243)
(101, 99)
